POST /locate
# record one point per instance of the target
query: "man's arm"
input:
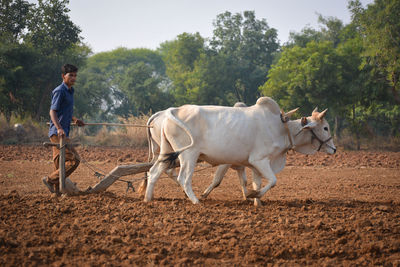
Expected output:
(54, 119)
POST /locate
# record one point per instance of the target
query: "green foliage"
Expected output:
(351, 69)
(122, 82)
(379, 25)
(336, 68)
(306, 35)
(141, 88)
(36, 40)
(180, 57)
(249, 46)
(50, 28)
(14, 18)
(307, 77)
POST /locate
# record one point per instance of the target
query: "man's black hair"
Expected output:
(68, 68)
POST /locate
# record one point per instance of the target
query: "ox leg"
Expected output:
(172, 174)
(242, 180)
(185, 177)
(218, 176)
(256, 186)
(264, 168)
(154, 174)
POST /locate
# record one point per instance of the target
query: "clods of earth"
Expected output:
(325, 210)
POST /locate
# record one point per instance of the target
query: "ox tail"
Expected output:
(150, 140)
(171, 157)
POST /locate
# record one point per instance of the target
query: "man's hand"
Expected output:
(79, 123)
(60, 132)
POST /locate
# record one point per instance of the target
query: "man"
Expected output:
(61, 110)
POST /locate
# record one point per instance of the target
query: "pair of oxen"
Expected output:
(257, 137)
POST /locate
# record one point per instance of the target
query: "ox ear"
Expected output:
(309, 125)
(322, 114)
(315, 113)
(290, 113)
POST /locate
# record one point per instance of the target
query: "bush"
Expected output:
(30, 133)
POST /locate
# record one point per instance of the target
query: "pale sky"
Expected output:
(108, 24)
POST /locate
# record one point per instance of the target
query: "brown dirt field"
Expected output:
(339, 210)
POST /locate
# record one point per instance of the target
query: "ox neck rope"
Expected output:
(285, 120)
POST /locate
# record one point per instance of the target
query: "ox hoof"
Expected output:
(196, 201)
(253, 194)
(257, 202)
(147, 199)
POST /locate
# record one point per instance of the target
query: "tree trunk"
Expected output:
(357, 132)
(39, 110)
(336, 131)
(395, 79)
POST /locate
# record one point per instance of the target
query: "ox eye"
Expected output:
(326, 128)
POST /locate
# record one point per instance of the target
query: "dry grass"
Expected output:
(32, 132)
(116, 135)
(384, 143)
(136, 136)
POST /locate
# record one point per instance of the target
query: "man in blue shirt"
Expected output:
(61, 110)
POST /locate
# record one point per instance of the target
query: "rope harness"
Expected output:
(304, 122)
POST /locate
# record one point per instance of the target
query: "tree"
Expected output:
(14, 57)
(122, 82)
(141, 87)
(14, 18)
(332, 30)
(50, 29)
(308, 77)
(180, 57)
(306, 35)
(56, 39)
(379, 24)
(249, 46)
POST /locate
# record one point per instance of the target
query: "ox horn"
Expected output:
(290, 113)
(322, 114)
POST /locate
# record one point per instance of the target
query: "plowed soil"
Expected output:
(339, 210)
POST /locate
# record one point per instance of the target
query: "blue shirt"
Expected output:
(62, 101)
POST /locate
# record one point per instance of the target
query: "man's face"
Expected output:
(69, 78)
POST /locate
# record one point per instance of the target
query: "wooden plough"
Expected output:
(116, 173)
(70, 188)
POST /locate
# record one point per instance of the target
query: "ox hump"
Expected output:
(269, 103)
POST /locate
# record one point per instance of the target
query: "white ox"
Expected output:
(257, 136)
(154, 141)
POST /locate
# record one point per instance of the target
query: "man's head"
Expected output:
(69, 73)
